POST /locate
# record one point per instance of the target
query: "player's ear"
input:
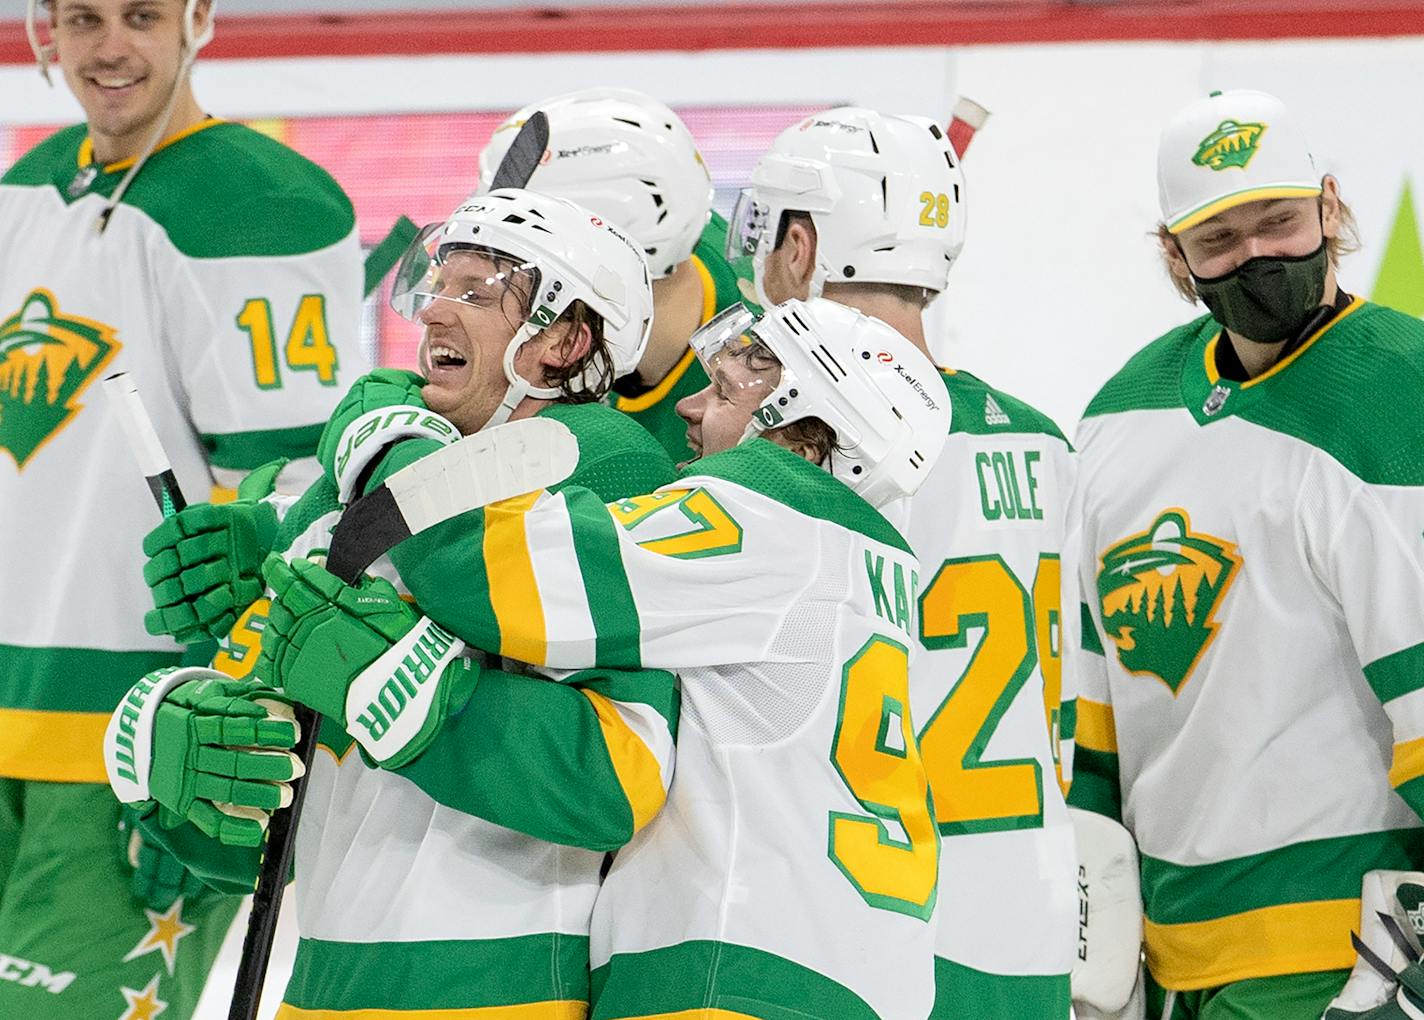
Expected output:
(801, 245)
(1330, 215)
(567, 346)
(1172, 255)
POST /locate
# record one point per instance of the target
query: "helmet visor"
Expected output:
(470, 274)
(742, 368)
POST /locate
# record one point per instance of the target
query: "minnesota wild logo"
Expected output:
(1231, 144)
(1158, 592)
(47, 358)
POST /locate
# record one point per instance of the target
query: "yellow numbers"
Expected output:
(972, 795)
(244, 642)
(714, 532)
(308, 347)
(891, 856)
(934, 211)
(256, 320)
(1048, 632)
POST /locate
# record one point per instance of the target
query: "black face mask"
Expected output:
(1269, 298)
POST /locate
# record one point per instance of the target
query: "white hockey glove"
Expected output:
(1387, 982)
(1109, 964)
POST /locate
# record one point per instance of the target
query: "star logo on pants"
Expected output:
(144, 1005)
(163, 934)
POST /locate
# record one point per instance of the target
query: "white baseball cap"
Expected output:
(1229, 149)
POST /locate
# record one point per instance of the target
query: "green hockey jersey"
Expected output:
(1252, 693)
(472, 870)
(655, 409)
(793, 869)
(228, 284)
(988, 525)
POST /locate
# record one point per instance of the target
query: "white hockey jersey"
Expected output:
(988, 527)
(793, 870)
(464, 881)
(228, 284)
(1253, 559)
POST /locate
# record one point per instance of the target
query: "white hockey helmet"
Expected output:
(192, 42)
(571, 255)
(628, 158)
(883, 398)
(885, 192)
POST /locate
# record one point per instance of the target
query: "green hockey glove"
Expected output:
(212, 750)
(364, 657)
(159, 878)
(381, 408)
(205, 567)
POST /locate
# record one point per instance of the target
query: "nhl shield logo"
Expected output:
(47, 358)
(1158, 593)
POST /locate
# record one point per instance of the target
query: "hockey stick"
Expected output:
(494, 464)
(965, 120)
(143, 440)
(525, 153)
(375, 528)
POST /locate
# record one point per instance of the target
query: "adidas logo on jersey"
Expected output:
(993, 413)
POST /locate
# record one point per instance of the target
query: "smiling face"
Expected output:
(121, 60)
(717, 415)
(480, 304)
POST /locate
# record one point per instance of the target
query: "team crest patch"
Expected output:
(1159, 591)
(1231, 144)
(47, 358)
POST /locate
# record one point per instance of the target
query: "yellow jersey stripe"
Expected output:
(86, 147)
(513, 590)
(1408, 762)
(1293, 938)
(555, 1010)
(1096, 729)
(55, 747)
(637, 768)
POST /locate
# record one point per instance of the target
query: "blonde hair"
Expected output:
(1343, 243)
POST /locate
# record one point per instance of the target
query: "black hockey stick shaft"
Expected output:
(525, 152)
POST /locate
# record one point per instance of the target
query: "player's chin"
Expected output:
(446, 389)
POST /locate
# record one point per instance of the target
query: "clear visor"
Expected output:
(748, 223)
(470, 274)
(742, 367)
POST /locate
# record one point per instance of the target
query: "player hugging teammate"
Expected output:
(776, 732)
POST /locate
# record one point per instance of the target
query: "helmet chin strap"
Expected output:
(44, 52)
(519, 387)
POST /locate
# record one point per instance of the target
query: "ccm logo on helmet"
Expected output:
(885, 357)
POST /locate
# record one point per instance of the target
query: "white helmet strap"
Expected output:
(518, 387)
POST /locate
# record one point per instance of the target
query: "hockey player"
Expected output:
(870, 210)
(793, 870)
(1251, 508)
(631, 160)
(223, 271)
(530, 307)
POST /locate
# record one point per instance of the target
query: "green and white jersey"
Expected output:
(471, 872)
(1254, 712)
(655, 408)
(988, 527)
(793, 868)
(228, 284)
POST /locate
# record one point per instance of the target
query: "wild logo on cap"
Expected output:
(1231, 144)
